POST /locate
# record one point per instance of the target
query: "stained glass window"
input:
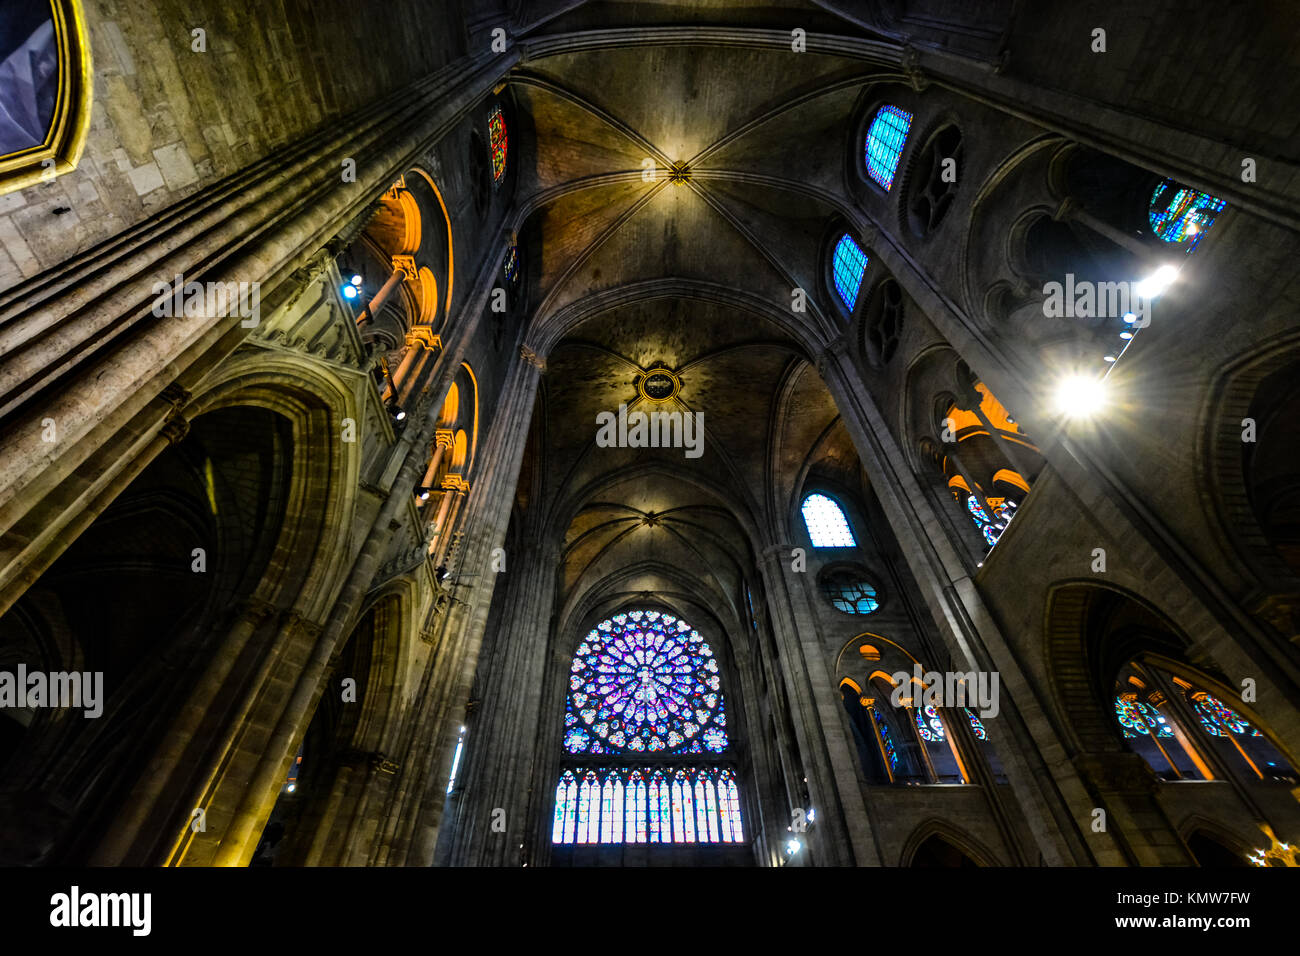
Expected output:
(1219, 720)
(1238, 740)
(826, 524)
(850, 265)
(566, 809)
(976, 725)
(990, 529)
(928, 724)
(885, 140)
(849, 593)
(497, 137)
(1138, 718)
(645, 684)
(891, 752)
(1179, 214)
(510, 265)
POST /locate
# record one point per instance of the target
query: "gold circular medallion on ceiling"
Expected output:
(658, 385)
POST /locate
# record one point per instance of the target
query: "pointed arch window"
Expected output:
(498, 142)
(848, 267)
(645, 689)
(1175, 726)
(885, 141)
(826, 524)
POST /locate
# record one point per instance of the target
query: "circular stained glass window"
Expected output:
(644, 682)
(849, 592)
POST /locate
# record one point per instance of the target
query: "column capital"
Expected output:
(405, 264)
(443, 437)
(422, 336)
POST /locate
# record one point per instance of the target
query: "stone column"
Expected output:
(442, 439)
(414, 821)
(497, 770)
(403, 268)
(1054, 804)
(843, 833)
(448, 524)
(421, 345)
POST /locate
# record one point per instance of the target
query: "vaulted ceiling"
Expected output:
(629, 271)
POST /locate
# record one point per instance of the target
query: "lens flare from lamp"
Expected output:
(349, 292)
(1080, 396)
(1156, 283)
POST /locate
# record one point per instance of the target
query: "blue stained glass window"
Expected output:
(928, 723)
(635, 828)
(991, 530)
(566, 805)
(644, 684)
(1179, 214)
(976, 725)
(1219, 720)
(510, 265)
(891, 753)
(826, 524)
(849, 593)
(850, 265)
(973, 506)
(621, 805)
(885, 141)
(1137, 718)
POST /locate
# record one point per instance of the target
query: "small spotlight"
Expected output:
(812, 815)
(292, 787)
(1126, 335)
(792, 847)
(356, 280)
(349, 292)
(441, 574)
(1079, 396)
(1156, 283)
(1108, 358)
(1130, 317)
(421, 493)
(398, 413)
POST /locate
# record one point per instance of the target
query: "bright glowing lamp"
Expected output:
(1156, 283)
(1079, 396)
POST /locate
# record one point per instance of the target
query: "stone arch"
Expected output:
(149, 587)
(948, 836)
(315, 403)
(1082, 656)
(1201, 833)
(1223, 469)
(347, 741)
